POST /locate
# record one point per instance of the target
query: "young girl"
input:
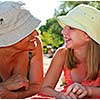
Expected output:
(79, 58)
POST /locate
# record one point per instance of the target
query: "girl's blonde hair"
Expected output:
(93, 60)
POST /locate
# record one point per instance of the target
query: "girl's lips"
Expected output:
(67, 39)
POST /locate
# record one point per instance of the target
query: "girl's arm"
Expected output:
(93, 91)
(53, 74)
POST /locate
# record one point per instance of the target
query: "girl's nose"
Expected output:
(65, 31)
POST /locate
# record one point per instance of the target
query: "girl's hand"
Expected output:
(79, 90)
(62, 95)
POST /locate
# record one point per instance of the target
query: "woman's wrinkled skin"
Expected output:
(14, 68)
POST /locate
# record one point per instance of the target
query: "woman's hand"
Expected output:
(16, 82)
(5, 94)
(79, 90)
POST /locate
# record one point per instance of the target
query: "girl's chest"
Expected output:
(78, 74)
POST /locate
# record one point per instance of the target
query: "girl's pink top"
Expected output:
(69, 81)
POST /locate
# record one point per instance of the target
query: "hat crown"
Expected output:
(85, 11)
(9, 12)
(15, 23)
(8, 5)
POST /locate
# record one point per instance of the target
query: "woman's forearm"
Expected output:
(33, 89)
(19, 94)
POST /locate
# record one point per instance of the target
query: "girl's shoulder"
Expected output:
(62, 50)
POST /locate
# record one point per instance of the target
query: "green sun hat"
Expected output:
(85, 18)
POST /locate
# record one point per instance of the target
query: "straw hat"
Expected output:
(15, 23)
(83, 17)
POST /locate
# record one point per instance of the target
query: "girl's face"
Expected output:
(74, 38)
(27, 43)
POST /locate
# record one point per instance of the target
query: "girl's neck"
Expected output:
(81, 53)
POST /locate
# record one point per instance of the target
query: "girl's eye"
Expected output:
(72, 28)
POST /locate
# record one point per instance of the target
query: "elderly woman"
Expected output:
(79, 58)
(18, 37)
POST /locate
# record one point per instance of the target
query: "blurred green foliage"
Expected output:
(50, 32)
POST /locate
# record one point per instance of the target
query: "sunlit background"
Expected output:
(42, 9)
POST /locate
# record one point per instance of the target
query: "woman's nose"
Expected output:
(35, 33)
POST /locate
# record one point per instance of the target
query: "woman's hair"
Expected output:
(93, 60)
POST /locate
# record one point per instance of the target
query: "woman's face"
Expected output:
(74, 38)
(27, 43)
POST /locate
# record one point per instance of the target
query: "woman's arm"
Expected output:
(18, 94)
(36, 65)
(18, 78)
(36, 71)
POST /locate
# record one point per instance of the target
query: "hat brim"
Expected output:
(66, 20)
